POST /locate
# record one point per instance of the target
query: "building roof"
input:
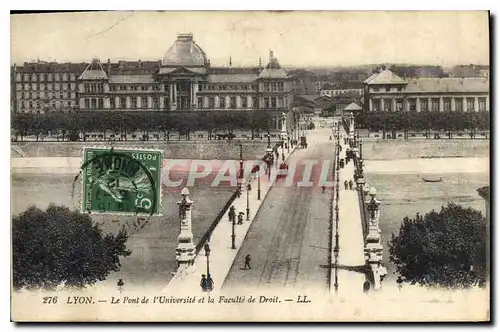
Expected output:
(353, 107)
(384, 77)
(273, 69)
(449, 84)
(484, 192)
(232, 78)
(94, 71)
(51, 67)
(184, 52)
(123, 79)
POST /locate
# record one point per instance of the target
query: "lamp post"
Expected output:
(207, 254)
(240, 177)
(248, 201)
(233, 236)
(258, 182)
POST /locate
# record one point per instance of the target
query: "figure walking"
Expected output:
(120, 284)
(346, 184)
(247, 262)
(240, 218)
(400, 283)
(350, 184)
(203, 283)
(323, 188)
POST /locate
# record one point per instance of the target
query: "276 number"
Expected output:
(49, 299)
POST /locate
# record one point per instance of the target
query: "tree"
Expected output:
(58, 246)
(442, 249)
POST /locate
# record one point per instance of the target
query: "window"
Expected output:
(144, 88)
(400, 89)
(134, 88)
(281, 86)
(25, 77)
(65, 86)
(482, 104)
(233, 102)
(87, 103)
(31, 104)
(33, 77)
(123, 103)
(447, 104)
(112, 103)
(458, 104)
(65, 77)
(144, 102)
(252, 102)
(388, 105)
(86, 87)
(435, 104)
(244, 102)
(155, 103)
(133, 102)
(376, 104)
(56, 77)
(412, 103)
(273, 102)
(166, 104)
(101, 103)
(387, 88)
(273, 86)
(72, 76)
(94, 103)
(399, 104)
(266, 102)
(200, 102)
(470, 104)
(35, 86)
(211, 102)
(424, 107)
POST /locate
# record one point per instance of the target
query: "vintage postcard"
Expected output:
(250, 166)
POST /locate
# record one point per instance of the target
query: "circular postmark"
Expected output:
(121, 181)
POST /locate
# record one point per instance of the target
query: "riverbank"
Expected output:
(416, 149)
(429, 166)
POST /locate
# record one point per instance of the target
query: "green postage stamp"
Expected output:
(121, 181)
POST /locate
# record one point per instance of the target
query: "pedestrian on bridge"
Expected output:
(323, 188)
(247, 261)
(346, 184)
(350, 184)
(203, 283)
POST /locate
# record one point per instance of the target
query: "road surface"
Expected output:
(289, 239)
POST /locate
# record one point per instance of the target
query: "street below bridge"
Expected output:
(290, 237)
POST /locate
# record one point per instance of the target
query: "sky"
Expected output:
(321, 38)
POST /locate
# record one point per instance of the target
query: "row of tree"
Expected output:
(70, 125)
(449, 122)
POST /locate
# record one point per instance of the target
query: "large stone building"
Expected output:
(183, 80)
(386, 91)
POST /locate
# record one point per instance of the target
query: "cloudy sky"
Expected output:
(297, 38)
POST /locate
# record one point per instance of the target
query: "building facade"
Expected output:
(183, 80)
(385, 91)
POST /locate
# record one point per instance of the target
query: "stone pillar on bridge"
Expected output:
(373, 245)
(185, 251)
